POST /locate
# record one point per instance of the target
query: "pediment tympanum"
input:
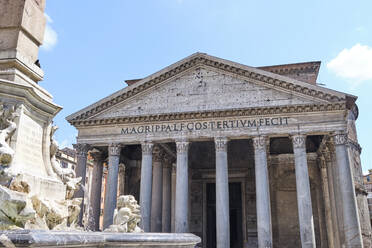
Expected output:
(203, 89)
(203, 84)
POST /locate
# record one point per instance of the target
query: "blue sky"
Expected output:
(91, 47)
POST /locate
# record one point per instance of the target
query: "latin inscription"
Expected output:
(206, 125)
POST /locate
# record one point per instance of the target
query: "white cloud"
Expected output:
(50, 35)
(354, 64)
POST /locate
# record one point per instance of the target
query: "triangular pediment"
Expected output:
(204, 89)
(204, 83)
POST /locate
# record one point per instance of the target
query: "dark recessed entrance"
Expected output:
(235, 203)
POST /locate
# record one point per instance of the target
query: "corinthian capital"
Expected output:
(114, 149)
(147, 148)
(157, 154)
(299, 141)
(221, 144)
(340, 138)
(182, 146)
(259, 142)
(81, 149)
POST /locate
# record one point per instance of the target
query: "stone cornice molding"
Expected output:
(182, 146)
(147, 148)
(114, 149)
(270, 79)
(81, 149)
(257, 111)
(221, 144)
(259, 142)
(299, 141)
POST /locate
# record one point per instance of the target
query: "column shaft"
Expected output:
(95, 191)
(327, 202)
(173, 198)
(222, 194)
(305, 212)
(146, 185)
(81, 170)
(111, 185)
(166, 211)
(331, 183)
(182, 188)
(157, 190)
(352, 231)
(264, 229)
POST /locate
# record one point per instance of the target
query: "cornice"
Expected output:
(203, 59)
(257, 111)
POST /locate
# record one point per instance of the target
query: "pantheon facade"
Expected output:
(240, 156)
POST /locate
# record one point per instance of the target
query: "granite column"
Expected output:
(167, 191)
(95, 191)
(352, 231)
(182, 188)
(111, 185)
(81, 170)
(264, 229)
(222, 194)
(157, 189)
(305, 212)
(146, 185)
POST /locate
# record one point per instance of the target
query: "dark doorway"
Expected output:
(235, 203)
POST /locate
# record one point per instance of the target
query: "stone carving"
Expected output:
(340, 138)
(182, 146)
(208, 61)
(259, 143)
(126, 216)
(7, 128)
(67, 175)
(114, 149)
(299, 141)
(157, 154)
(221, 144)
(147, 148)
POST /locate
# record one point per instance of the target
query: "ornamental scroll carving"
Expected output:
(114, 149)
(259, 143)
(81, 149)
(299, 141)
(340, 138)
(221, 144)
(157, 154)
(182, 146)
(147, 148)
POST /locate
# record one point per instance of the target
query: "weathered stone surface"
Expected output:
(27, 238)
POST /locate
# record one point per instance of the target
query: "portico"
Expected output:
(247, 146)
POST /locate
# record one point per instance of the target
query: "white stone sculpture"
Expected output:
(67, 175)
(7, 129)
(126, 216)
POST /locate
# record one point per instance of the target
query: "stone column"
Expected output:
(157, 189)
(121, 179)
(173, 197)
(81, 170)
(146, 185)
(305, 212)
(167, 191)
(111, 185)
(182, 188)
(222, 194)
(95, 191)
(327, 202)
(352, 231)
(331, 184)
(264, 229)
